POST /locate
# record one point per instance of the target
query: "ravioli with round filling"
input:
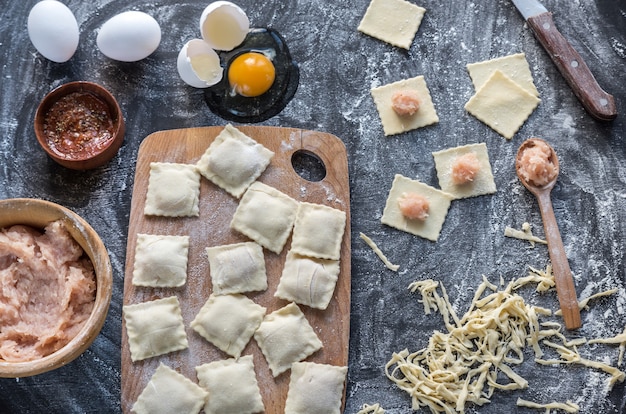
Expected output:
(228, 322)
(169, 392)
(318, 231)
(266, 215)
(237, 268)
(308, 281)
(160, 260)
(315, 388)
(232, 386)
(285, 336)
(154, 328)
(234, 160)
(173, 190)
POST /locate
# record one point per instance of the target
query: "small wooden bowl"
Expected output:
(81, 162)
(38, 214)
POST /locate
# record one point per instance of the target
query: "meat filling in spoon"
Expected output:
(537, 167)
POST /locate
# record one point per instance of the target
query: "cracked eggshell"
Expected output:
(199, 65)
(53, 30)
(129, 36)
(224, 25)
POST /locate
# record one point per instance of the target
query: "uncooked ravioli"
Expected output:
(233, 107)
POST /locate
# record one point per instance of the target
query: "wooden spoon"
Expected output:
(565, 289)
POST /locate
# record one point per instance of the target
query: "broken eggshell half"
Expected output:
(224, 25)
(199, 65)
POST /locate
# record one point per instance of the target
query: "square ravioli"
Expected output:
(465, 171)
(173, 190)
(318, 231)
(237, 268)
(315, 388)
(502, 104)
(228, 322)
(285, 336)
(169, 392)
(308, 281)
(438, 205)
(233, 161)
(160, 261)
(393, 21)
(396, 124)
(515, 67)
(232, 386)
(154, 328)
(266, 216)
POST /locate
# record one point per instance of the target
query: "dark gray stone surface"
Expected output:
(339, 66)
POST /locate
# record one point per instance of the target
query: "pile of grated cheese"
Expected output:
(478, 353)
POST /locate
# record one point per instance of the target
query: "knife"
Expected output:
(594, 99)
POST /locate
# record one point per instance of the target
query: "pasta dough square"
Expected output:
(393, 21)
(515, 67)
(285, 336)
(160, 261)
(232, 386)
(237, 268)
(438, 210)
(173, 190)
(483, 182)
(318, 231)
(315, 388)
(169, 392)
(233, 161)
(502, 104)
(154, 328)
(308, 281)
(228, 322)
(265, 215)
(396, 124)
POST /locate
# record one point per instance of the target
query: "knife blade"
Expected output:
(577, 74)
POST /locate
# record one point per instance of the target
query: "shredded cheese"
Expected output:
(478, 352)
(571, 356)
(379, 253)
(524, 234)
(371, 409)
(618, 339)
(584, 304)
(568, 407)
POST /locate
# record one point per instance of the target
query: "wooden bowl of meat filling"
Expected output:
(80, 125)
(56, 282)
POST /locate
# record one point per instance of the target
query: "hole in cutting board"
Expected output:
(308, 165)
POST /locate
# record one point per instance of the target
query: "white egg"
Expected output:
(129, 36)
(199, 65)
(224, 25)
(53, 30)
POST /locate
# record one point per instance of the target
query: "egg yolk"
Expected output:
(251, 74)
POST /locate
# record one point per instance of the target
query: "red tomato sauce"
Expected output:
(78, 126)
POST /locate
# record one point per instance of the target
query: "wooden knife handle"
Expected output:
(596, 101)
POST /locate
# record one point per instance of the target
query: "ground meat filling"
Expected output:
(414, 206)
(405, 103)
(465, 168)
(536, 165)
(47, 291)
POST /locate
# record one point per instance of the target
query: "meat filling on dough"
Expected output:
(405, 102)
(465, 168)
(414, 206)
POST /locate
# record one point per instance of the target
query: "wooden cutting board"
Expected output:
(211, 228)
